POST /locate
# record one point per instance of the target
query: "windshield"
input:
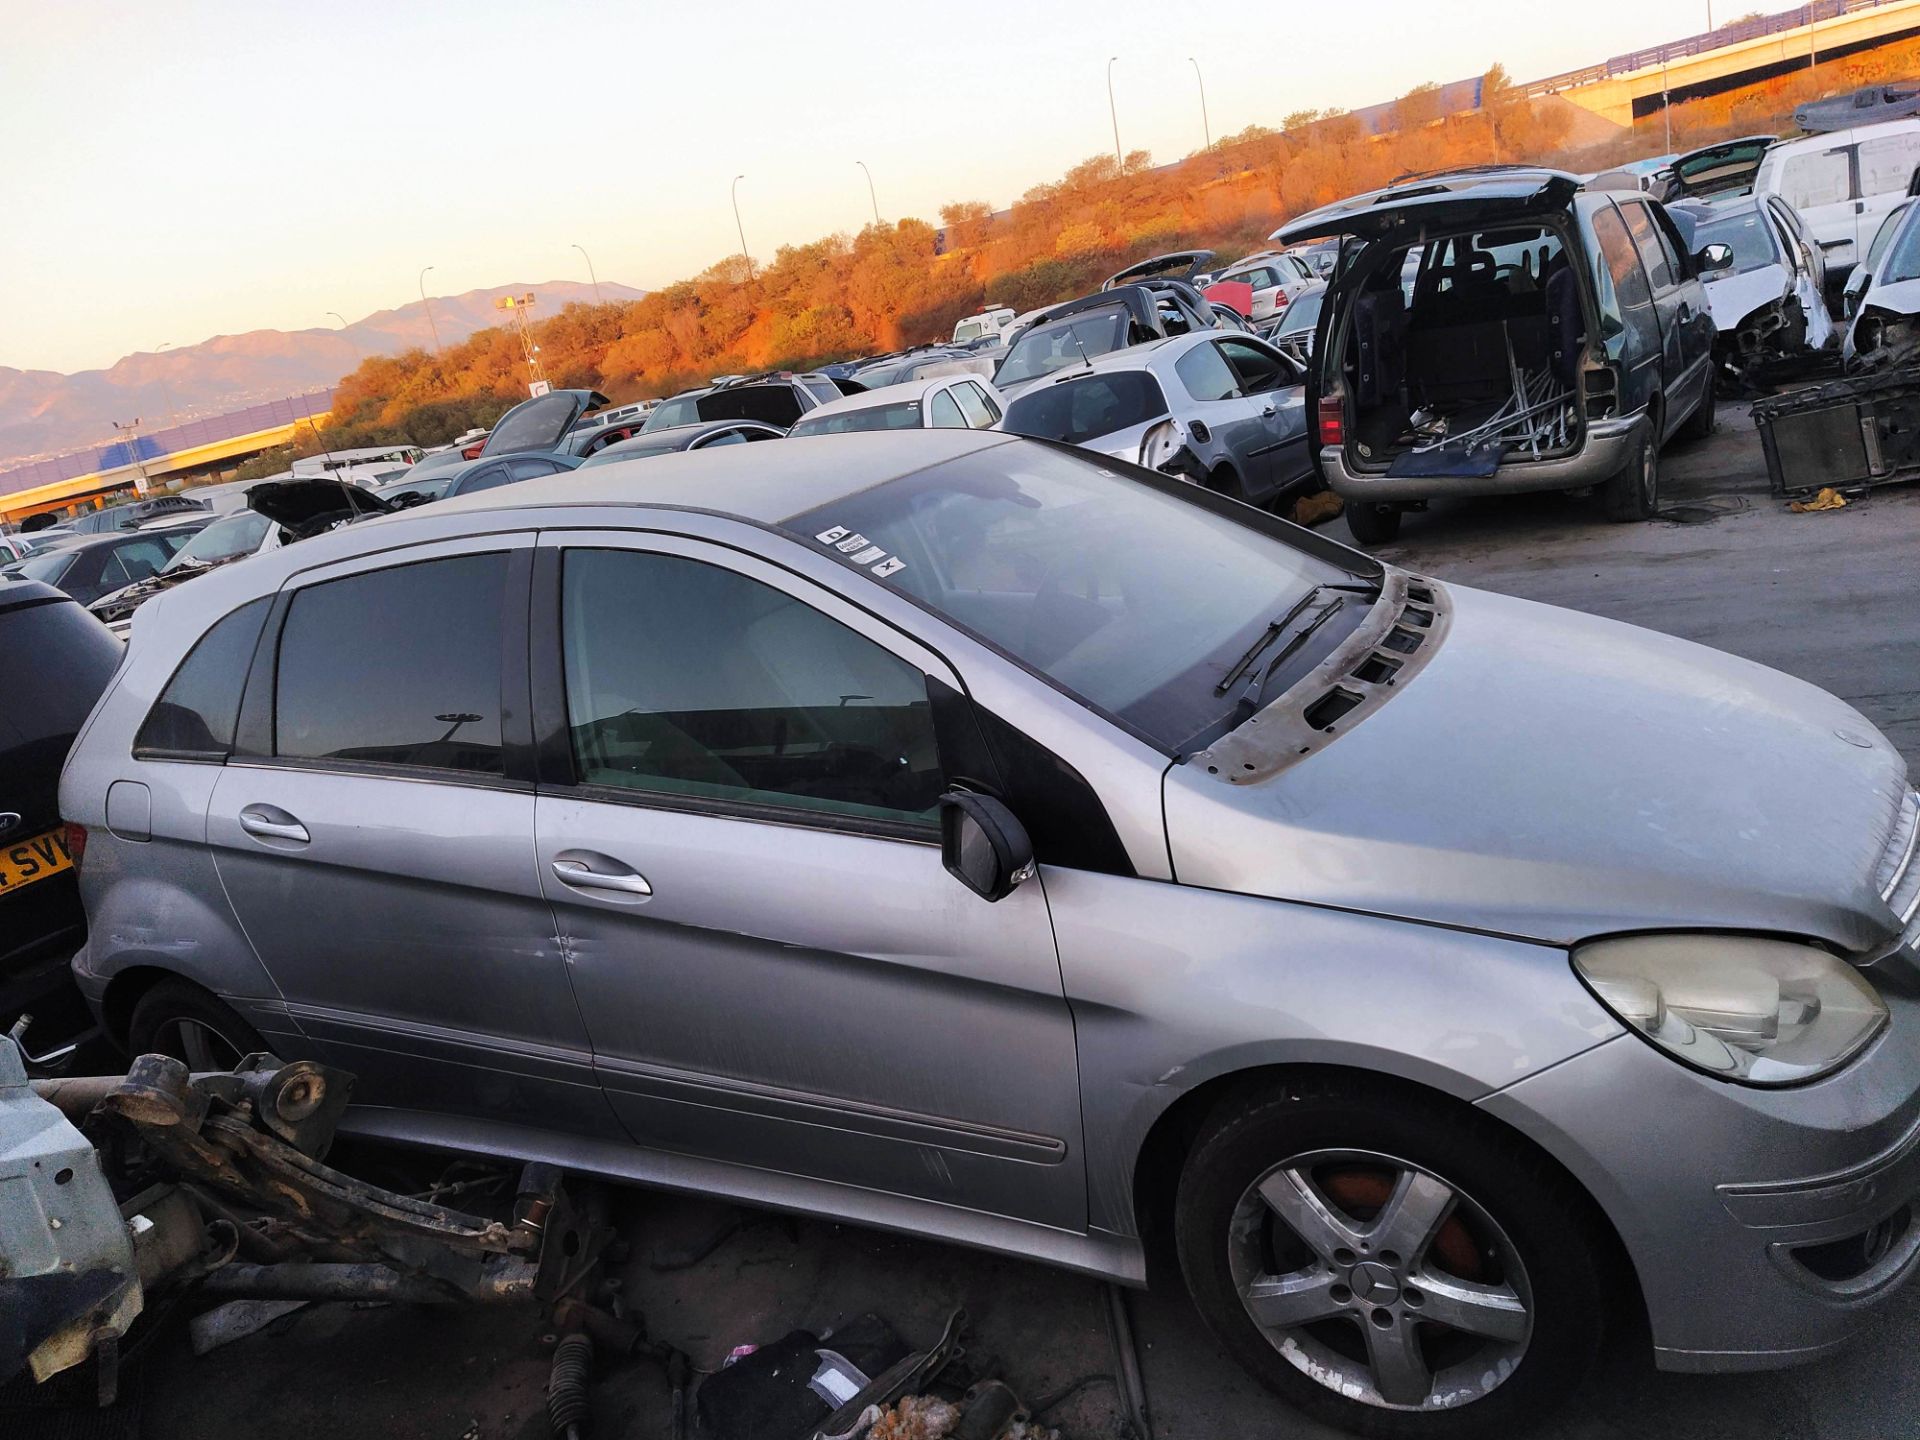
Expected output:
(1303, 314)
(1746, 235)
(1902, 260)
(1882, 236)
(669, 413)
(1087, 407)
(897, 415)
(226, 539)
(1128, 596)
(1044, 349)
(967, 330)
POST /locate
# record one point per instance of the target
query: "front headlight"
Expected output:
(1762, 1012)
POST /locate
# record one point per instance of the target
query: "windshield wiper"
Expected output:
(1250, 697)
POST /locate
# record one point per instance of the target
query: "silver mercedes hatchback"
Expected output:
(981, 838)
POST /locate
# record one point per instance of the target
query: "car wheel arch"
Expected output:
(123, 993)
(1162, 1155)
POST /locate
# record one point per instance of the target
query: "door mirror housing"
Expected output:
(1715, 257)
(983, 845)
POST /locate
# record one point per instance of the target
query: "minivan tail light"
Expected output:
(1332, 417)
(76, 842)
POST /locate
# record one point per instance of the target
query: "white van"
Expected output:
(995, 320)
(1843, 183)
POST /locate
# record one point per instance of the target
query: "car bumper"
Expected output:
(1762, 1225)
(1609, 446)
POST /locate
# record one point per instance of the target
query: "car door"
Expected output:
(1281, 458)
(1802, 272)
(1679, 305)
(1235, 423)
(1818, 181)
(374, 833)
(736, 829)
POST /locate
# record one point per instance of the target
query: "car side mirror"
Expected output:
(1715, 257)
(983, 845)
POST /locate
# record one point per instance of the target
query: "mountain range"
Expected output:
(43, 412)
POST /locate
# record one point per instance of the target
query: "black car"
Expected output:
(136, 513)
(87, 569)
(775, 399)
(57, 660)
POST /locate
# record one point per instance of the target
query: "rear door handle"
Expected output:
(272, 823)
(579, 873)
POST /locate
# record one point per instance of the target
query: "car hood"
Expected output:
(1902, 297)
(116, 605)
(1555, 776)
(1731, 298)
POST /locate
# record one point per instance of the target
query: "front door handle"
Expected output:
(272, 823)
(579, 873)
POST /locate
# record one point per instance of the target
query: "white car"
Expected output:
(1862, 275)
(1885, 325)
(1278, 279)
(1767, 299)
(942, 402)
(1843, 183)
(994, 321)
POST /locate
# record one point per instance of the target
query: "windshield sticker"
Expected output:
(868, 555)
(852, 543)
(893, 565)
(827, 537)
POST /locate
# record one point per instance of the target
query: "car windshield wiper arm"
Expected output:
(1264, 639)
(1251, 695)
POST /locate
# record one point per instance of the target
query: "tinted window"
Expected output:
(1258, 368)
(896, 415)
(486, 477)
(1304, 313)
(1206, 374)
(724, 437)
(680, 411)
(534, 424)
(974, 405)
(1082, 409)
(687, 679)
(396, 667)
(776, 404)
(1821, 177)
(195, 714)
(1623, 283)
(48, 566)
(1655, 253)
(943, 414)
(55, 659)
(1887, 161)
(824, 391)
(636, 449)
(532, 469)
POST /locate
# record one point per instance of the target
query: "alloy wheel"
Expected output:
(1379, 1280)
(199, 1044)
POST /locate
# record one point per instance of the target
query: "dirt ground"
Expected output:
(1834, 598)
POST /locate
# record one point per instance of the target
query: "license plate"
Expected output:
(26, 861)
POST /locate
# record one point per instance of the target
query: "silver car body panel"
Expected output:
(1256, 919)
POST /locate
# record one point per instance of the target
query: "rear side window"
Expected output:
(1206, 374)
(1080, 410)
(1623, 283)
(1821, 177)
(975, 405)
(194, 717)
(396, 667)
(943, 413)
(1654, 250)
(1887, 161)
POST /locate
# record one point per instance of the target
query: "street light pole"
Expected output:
(1666, 105)
(1113, 111)
(434, 324)
(1205, 128)
(590, 275)
(870, 195)
(734, 191)
(132, 432)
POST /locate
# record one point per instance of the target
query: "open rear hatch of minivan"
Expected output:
(1462, 350)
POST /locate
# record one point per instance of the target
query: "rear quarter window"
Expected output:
(1084, 409)
(195, 715)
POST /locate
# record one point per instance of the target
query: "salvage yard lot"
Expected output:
(1832, 597)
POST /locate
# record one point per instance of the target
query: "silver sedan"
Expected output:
(999, 842)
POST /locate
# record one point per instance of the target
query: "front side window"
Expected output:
(1624, 292)
(1258, 369)
(194, 716)
(396, 667)
(1118, 591)
(943, 413)
(686, 679)
(1206, 374)
(1823, 177)
(1746, 235)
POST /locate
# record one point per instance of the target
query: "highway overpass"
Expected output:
(196, 447)
(1640, 82)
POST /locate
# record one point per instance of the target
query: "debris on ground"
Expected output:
(927, 1417)
(1317, 509)
(1828, 499)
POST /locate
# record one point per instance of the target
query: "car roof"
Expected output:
(764, 484)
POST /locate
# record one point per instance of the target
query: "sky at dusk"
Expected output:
(179, 170)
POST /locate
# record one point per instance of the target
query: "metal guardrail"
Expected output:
(1721, 38)
(169, 441)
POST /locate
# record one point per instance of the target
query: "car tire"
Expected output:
(1699, 425)
(1470, 1196)
(178, 1018)
(1634, 492)
(1373, 523)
